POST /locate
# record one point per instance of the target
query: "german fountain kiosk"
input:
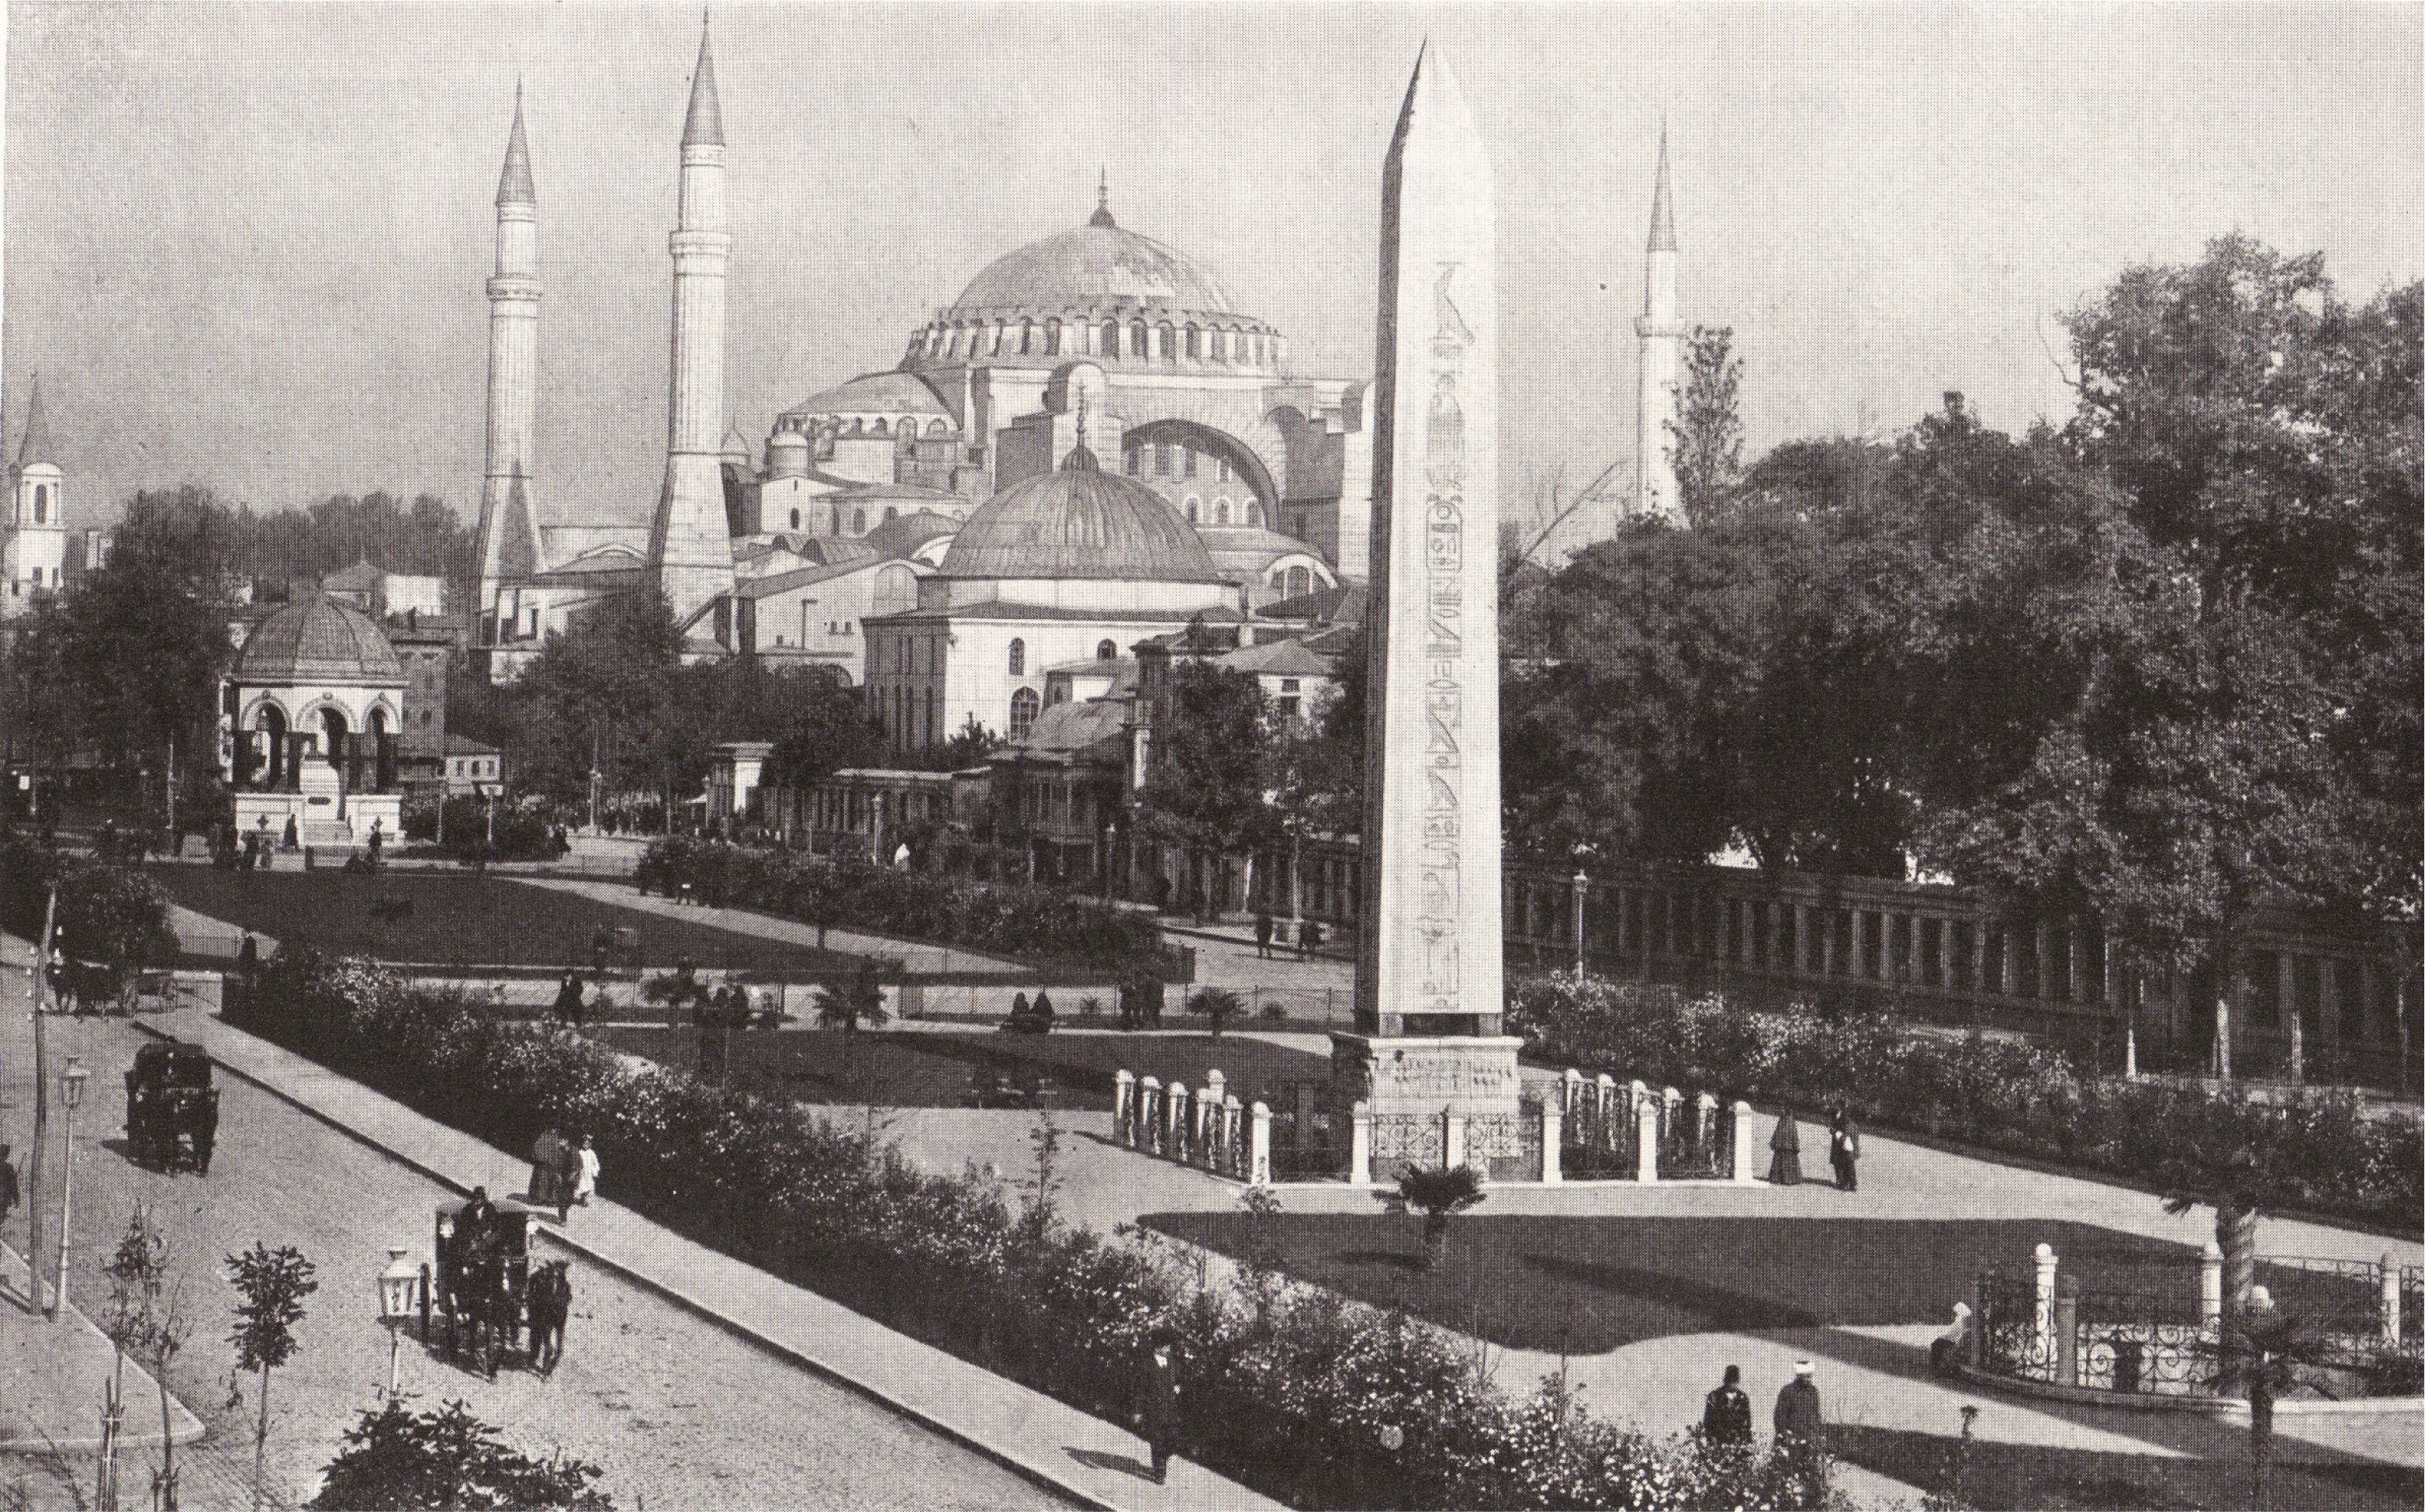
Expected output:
(1427, 1056)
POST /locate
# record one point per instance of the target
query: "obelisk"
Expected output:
(1428, 999)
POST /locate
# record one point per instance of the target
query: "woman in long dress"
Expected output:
(1785, 1166)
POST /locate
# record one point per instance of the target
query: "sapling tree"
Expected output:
(273, 1284)
(144, 1320)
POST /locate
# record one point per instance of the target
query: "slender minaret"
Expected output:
(1654, 402)
(509, 538)
(690, 545)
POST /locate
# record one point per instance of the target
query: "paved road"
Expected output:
(678, 1413)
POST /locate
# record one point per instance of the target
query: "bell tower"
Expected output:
(37, 533)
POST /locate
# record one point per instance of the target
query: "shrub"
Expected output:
(396, 1458)
(849, 890)
(2318, 1150)
(1293, 1387)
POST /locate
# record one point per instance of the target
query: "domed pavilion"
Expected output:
(312, 708)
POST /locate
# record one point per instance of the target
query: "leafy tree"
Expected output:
(1205, 788)
(144, 1320)
(447, 1459)
(844, 1005)
(1438, 1195)
(827, 727)
(273, 1284)
(1707, 432)
(117, 916)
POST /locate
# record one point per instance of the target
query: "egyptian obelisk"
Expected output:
(1428, 999)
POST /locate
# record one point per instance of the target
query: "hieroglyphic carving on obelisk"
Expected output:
(1429, 953)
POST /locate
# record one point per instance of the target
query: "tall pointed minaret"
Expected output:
(690, 545)
(1654, 404)
(508, 548)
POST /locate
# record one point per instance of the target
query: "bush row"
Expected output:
(1293, 1390)
(848, 891)
(2319, 1151)
(522, 834)
(111, 914)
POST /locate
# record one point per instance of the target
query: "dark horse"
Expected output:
(483, 1315)
(551, 1303)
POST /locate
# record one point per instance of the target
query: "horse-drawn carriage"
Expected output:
(171, 1105)
(485, 1291)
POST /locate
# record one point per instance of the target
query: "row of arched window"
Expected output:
(1250, 513)
(1166, 341)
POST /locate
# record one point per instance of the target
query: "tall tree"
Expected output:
(1706, 431)
(1205, 788)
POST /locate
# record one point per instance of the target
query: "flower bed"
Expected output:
(1296, 1391)
(2318, 1153)
(848, 893)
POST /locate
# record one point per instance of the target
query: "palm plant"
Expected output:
(1217, 1005)
(2234, 1183)
(1438, 1195)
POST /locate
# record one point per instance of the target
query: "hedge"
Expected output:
(2317, 1151)
(849, 892)
(1294, 1391)
(114, 915)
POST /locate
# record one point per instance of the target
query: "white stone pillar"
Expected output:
(1150, 1114)
(1208, 1109)
(1552, 1130)
(1570, 1090)
(2391, 1301)
(1646, 1140)
(1451, 1140)
(1705, 1123)
(1747, 1161)
(1671, 1114)
(1178, 1101)
(1124, 1106)
(1258, 1146)
(2042, 1315)
(1604, 1123)
(1359, 1148)
(2209, 1285)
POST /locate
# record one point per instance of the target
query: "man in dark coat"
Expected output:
(1801, 1432)
(8, 1184)
(567, 998)
(1263, 935)
(1157, 1410)
(1844, 1152)
(1785, 1165)
(1726, 1414)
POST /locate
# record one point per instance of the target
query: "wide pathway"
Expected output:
(1087, 1459)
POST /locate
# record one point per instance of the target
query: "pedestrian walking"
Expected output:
(377, 840)
(1157, 1410)
(585, 1177)
(1801, 1430)
(1726, 1414)
(247, 958)
(567, 998)
(1309, 939)
(1263, 935)
(547, 1167)
(1844, 1152)
(1785, 1162)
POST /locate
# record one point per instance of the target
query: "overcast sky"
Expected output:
(245, 243)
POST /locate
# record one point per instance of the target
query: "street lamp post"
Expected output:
(71, 1079)
(1583, 885)
(1111, 848)
(399, 1288)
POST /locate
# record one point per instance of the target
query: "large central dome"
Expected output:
(1097, 266)
(1079, 522)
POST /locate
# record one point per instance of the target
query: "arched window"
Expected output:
(1255, 515)
(937, 427)
(1111, 339)
(1106, 651)
(1161, 459)
(1194, 509)
(1195, 343)
(1300, 582)
(934, 735)
(890, 514)
(1135, 458)
(1136, 338)
(42, 502)
(1187, 467)
(1022, 713)
(1052, 337)
(796, 520)
(1220, 511)
(896, 589)
(1018, 659)
(881, 428)
(1170, 336)
(859, 522)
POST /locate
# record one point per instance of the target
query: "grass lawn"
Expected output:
(2028, 1476)
(1251, 1068)
(468, 918)
(827, 1065)
(1595, 1284)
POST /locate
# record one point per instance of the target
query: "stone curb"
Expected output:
(2226, 1409)
(139, 1388)
(1042, 1474)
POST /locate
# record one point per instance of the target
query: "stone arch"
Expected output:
(880, 427)
(1248, 459)
(937, 427)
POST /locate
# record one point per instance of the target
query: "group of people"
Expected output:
(1800, 1427)
(1843, 1151)
(1268, 933)
(564, 1173)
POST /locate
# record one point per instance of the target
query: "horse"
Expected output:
(551, 1303)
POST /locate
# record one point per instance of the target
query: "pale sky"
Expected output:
(245, 243)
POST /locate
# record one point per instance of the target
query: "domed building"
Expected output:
(310, 714)
(1058, 567)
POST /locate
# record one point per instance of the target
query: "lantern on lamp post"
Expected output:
(71, 1079)
(1583, 885)
(399, 1299)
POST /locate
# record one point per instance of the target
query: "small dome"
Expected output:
(317, 640)
(1079, 522)
(1096, 265)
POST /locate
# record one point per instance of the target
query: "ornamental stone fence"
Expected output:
(2147, 1335)
(1591, 1129)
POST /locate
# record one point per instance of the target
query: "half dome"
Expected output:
(1079, 522)
(318, 639)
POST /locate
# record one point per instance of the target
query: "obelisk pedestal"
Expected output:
(1428, 990)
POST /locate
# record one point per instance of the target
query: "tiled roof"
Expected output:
(318, 639)
(360, 578)
(754, 588)
(903, 535)
(465, 746)
(998, 609)
(1280, 658)
(1073, 727)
